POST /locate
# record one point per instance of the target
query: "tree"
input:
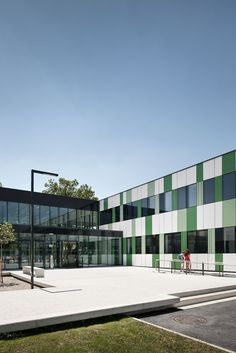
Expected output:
(7, 235)
(71, 188)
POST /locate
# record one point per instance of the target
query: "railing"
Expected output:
(194, 266)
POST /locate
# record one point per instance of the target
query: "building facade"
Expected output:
(66, 232)
(194, 208)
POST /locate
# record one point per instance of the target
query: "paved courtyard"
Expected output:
(77, 294)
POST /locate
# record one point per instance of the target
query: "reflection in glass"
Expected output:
(24, 213)
(13, 213)
(229, 186)
(209, 191)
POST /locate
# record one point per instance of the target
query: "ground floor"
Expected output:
(63, 250)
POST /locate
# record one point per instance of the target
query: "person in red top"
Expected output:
(187, 260)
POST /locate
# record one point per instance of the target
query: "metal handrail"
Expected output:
(204, 266)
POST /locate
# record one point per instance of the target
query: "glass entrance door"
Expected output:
(69, 254)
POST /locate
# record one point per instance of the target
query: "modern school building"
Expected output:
(192, 208)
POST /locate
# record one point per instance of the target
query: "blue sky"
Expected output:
(114, 93)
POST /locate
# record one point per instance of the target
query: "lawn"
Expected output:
(119, 335)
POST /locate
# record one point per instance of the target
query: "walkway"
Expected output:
(78, 294)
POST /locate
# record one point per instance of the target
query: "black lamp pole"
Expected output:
(33, 171)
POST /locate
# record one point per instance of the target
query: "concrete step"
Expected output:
(202, 298)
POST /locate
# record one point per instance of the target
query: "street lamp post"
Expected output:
(33, 171)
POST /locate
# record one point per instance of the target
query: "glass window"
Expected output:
(54, 216)
(172, 243)
(138, 241)
(192, 195)
(88, 218)
(3, 211)
(156, 249)
(198, 241)
(24, 213)
(117, 214)
(63, 217)
(80, 218)
(44, 215)
(71, 218)
(36, 214)
(148, 206)
(13, 213)
(149, 244)
(209, 191)
(225, 240)
(95, 219)
(181, 192)
(229, 186)
(166, 202)
(106, 216)
(130, 210)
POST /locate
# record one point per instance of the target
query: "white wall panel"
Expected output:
(144, 191)
(174, 181)
(124, 260)
(191, 175)
(229, 262)
(155, 224)
(139, 226)
(209, 215)
(134, 194)
(167, 222)
(174, 215)
(127, 228)
(218, 166)
(110, 202)
(124, 197)
(148, 260)
(182, 178)
(218, 215)
(101, 205)
(137, 260)
(200, 217)
(209, 169)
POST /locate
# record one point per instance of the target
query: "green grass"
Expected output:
(121, 335)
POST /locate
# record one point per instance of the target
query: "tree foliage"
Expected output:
(71, 188)
(7, 235)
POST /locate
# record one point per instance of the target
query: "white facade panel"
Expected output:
(110, 202)
(174, 221)
(148, 260)
(209, 215)
(134, 194)
(218, 215)
(144, 191)
(162, 223)
(174, 181)
(139, 227)
(167, 222)
(200, 217)
(182, 178)
(209, 169)
(229, 262)
(155, 224)
(218, 166)
(101, 205)
(127, 228)
(124, 197)
(191, 175)
(137, 260)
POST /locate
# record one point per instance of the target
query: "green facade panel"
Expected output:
(211, 241)
(218, 188)
(129, 260)
(228, 209)
(106, 204)
(191, 218)
(155, 259)
(228, 162)
(200, 193)
(151, 188)
(133, 227)
(181, 220)
(162, 243)
(148, 225)
(199, 172)
(184, 242)
(139, 208)
(174, 200)
(168, 183)
(133, 245)
(218, 258)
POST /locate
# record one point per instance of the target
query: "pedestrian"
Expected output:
(187, 260)
(181, 260)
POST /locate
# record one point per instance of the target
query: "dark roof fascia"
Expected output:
(23, 196)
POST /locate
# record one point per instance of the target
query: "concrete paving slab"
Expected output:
(78, 294)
